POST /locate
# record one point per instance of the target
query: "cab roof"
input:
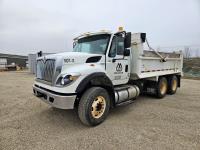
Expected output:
(92, 33)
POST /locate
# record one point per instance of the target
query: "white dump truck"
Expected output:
(105, 70)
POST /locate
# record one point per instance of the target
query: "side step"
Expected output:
(119, 88)
(125, 103)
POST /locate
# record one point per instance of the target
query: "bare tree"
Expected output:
(186, 52)
(197, 52)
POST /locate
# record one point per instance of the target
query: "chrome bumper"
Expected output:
(55, 100)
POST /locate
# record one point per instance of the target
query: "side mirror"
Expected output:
(127, 41)
(74, 44)
(143, 37)
(39, 54)
(127, 52)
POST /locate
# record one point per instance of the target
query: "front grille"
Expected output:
(45, 69)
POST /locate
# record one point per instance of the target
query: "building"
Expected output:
(14, 60)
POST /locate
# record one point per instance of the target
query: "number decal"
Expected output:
(69, 60)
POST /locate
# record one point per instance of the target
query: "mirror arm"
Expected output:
(113, 60)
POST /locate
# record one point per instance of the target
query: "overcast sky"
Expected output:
(28, 26)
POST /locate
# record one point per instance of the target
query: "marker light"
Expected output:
(120, 29)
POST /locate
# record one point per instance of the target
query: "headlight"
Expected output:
(67, 79)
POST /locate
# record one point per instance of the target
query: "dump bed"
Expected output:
(145, 64)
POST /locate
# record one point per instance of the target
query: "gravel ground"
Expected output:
(148, 123)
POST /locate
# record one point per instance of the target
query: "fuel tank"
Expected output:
(126, 93)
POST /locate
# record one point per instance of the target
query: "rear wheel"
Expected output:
(94, 106)
(161, 87)
(172, 85)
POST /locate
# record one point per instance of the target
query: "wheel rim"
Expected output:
(174, 85)
(163, 88)
(98, 107)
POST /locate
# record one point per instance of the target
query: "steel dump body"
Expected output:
(146, 64)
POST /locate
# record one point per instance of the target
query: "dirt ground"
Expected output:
(28, 123)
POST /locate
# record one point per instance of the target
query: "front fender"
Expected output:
(96, 79)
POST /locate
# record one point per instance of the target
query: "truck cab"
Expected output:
(112, 49)
(100, 73)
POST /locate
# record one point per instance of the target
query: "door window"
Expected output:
(117, 47)
(120, 45)
(113, 49)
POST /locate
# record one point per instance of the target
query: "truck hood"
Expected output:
(73, 57)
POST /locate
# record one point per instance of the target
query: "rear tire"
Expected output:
(172, 85)
(94, 106)
(161, 87)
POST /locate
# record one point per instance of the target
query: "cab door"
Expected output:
(117, 65)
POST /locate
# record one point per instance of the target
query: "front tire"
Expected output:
(94, 106)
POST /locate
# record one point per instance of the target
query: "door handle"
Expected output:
(126, 68)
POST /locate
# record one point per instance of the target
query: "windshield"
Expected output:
(95, 44)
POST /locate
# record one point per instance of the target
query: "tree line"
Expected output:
(190, 51)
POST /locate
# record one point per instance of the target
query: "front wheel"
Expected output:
(94, 106)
